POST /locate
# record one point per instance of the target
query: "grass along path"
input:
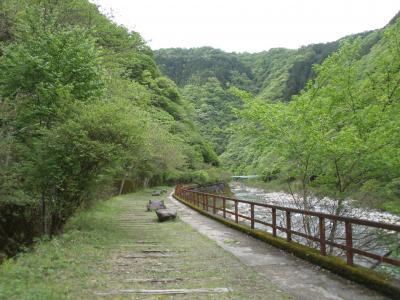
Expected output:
(118, 246)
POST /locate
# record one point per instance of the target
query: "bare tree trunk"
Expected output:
(332, 233)
(44, 221)
(146, 182)
(121, 189)
(338, 210)
(304, 204)
(306, 219)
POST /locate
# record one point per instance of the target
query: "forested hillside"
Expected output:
(324, 116)
(87, 110)
(205, 76)
(84, 113)
(340, 135)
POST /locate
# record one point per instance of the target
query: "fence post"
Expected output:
(288, 227)
(206, 202)
(252, 215)
(224, 207)
(274, 221)
(322, 245)
(236, 212)
(203, 201)
(349, 242)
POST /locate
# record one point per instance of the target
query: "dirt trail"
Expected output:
(292, 275)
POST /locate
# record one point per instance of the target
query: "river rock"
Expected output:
(166, 214)
(155, 204)
(156, 193)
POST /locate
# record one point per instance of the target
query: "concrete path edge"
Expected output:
(364, 276)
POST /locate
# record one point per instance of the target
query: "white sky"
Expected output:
(248, 25)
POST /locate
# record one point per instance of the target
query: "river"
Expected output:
(365, 238)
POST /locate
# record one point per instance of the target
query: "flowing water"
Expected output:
(382, 242)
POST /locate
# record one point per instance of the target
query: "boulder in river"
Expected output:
(166, 214)
(155, 204)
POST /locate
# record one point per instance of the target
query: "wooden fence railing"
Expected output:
(207, 202)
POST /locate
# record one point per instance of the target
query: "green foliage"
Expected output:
(343, 130)
(214, 113)
(197, 65)
(82, 106)
(40, 76)
(206, 76)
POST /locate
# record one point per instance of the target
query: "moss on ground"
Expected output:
(100, 251)
(336, 265)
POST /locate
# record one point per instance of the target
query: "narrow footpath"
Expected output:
(171, 258)
(117, 250)
(292, 275)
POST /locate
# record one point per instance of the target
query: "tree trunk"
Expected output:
(146, 182)
(332, 234)
(44, 221)
(121, 189)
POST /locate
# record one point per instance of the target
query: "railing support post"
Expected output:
(274, 222)
(349, 242)
(288, 227)
(322, 245)
(252, 215)
(236, 212)
(224, 207)
(201, 200)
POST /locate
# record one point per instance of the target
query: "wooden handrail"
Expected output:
(201, 201)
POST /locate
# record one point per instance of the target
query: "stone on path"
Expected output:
(156, 193)
(166, 214)
(155, 204)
